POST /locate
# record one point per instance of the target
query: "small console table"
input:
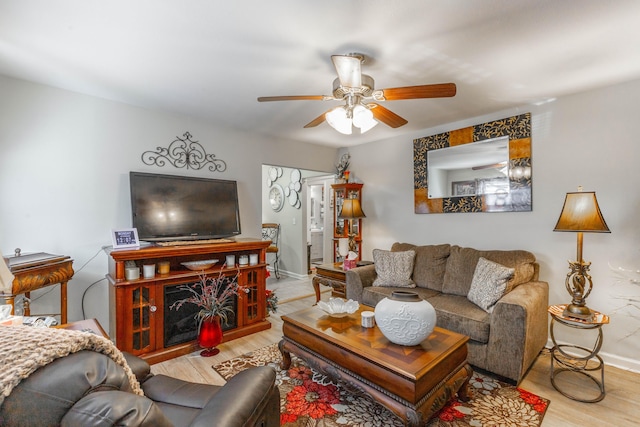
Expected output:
(330, 275)
(567, 356)
(35, 271)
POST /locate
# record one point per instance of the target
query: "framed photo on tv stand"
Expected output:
(125, 238)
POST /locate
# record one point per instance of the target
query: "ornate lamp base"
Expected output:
(579, 285)
(578, 311)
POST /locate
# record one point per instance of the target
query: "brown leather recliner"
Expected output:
(89, 389)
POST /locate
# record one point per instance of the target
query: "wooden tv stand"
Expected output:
(136, 307)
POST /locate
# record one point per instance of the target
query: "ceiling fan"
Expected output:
(357, 90)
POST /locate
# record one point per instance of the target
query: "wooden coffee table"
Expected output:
(413, 382)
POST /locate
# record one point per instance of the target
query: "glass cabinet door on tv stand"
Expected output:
(143, 309)
(342, 227)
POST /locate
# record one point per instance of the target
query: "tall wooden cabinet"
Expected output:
(341, 226)
(139, 310)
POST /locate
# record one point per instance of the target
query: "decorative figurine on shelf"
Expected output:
(343, 247)
(272, 301)
(215, 298)
(342, 168)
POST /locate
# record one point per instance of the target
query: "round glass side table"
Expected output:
(577, 359)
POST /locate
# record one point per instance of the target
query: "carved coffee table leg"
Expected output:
(465, 394)
(414, 419)
(286, 356)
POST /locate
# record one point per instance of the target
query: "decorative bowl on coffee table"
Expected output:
(338, 307)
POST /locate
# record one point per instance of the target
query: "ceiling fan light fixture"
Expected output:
(356, 89)
(363, 118)
(338, 119)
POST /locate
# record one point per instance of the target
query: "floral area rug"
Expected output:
(310, 399)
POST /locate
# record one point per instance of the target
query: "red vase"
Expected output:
(210, 336)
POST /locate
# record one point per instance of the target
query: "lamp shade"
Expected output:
(351, 209)
(581, 213)
(363, 118)
(339, 120)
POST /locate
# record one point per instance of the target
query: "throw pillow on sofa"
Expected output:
(430, 263)
(394, 268)
(462, 263)
(489, 283)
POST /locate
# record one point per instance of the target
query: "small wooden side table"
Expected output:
(574, 358)
(330, 275)
(86, 325)
(35, 271)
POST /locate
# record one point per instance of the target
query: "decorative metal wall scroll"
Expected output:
(184, 153)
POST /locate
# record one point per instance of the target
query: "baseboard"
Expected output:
(625, 363)
(288, 274)
(621, 362)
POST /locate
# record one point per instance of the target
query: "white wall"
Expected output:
(590, 139)
(64, 165)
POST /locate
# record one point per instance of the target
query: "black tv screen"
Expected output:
(170, 207)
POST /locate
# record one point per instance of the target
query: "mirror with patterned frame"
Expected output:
(475, 193)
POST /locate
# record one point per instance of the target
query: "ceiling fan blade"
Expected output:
(315, 122)
(348, 69)
(441, 90)
(293, 98)
(491, 166)
(386, 116)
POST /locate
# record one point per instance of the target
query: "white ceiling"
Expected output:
(211, 59)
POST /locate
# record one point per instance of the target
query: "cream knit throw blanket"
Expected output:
(23, 349)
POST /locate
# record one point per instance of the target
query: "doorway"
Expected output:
(286, 201)
(319, 219)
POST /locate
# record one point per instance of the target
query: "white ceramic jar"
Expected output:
(405, 318)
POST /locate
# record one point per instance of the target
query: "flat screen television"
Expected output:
(171, 207)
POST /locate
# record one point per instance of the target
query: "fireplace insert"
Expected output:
(180, 326)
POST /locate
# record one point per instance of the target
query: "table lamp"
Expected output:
(351, 210)
(580, 214)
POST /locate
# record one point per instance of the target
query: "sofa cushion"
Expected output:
(489, 283)
(394, 268)
(430, 264)
(460, 315)
(462, 264)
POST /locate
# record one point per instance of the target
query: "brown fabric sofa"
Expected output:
(505, 341)
(87, 388)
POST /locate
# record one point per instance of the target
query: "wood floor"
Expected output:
(620, 407)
